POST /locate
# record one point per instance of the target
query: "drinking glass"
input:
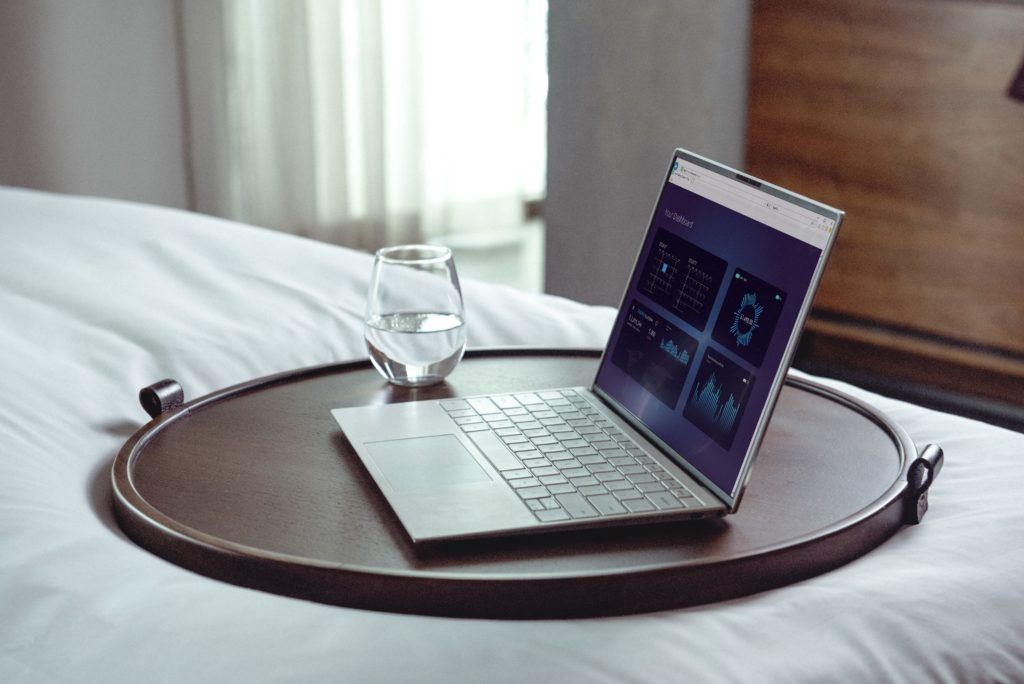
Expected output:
(415, 320)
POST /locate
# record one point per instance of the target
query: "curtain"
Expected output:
(366, 122)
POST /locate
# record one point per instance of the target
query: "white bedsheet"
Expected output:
(99, 298)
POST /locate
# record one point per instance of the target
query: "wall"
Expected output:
(629, 82)
(90, 100)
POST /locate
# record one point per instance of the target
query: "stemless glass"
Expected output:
(415, 320)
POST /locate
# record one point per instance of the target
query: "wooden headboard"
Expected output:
(898, 112)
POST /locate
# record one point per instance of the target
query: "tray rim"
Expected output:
(541, 594)
(129, 501)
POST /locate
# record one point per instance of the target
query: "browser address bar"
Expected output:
(761, 202)
(806, 226)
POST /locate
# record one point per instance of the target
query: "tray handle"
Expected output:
(161, 397)
(920, 476)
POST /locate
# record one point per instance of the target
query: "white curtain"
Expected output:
(366, 122)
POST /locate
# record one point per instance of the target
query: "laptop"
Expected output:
(682, 397)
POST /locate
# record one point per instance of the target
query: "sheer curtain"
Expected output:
(366, 122)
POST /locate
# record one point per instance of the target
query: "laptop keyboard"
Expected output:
(564, 459)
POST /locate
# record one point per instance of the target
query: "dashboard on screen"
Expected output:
(705, 327)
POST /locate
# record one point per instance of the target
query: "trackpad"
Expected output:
(425, 462)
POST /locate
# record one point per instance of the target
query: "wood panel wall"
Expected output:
(897, 111)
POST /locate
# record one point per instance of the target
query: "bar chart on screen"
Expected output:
(683, 278)
(717, 399)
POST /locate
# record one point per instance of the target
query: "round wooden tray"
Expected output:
(257, 486)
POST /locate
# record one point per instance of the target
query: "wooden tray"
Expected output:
(256, 485)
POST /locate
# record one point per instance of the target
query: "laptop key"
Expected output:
(569, 463)
(665, 500)
(534, 492)
(524, 482)
(561, 456)
(638, 505)
(505, 402)
(576, 505)
(607, 504)
(454, 404)
(551, 515)
(491, 446)
(483, 405)
(685, 496)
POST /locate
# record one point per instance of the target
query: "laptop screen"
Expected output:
(710, 317)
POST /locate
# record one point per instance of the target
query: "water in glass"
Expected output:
(415, 326)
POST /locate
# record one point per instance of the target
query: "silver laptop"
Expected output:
(684, 391)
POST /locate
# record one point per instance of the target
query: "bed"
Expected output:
(99, 298)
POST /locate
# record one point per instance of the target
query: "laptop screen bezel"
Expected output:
(733, 498)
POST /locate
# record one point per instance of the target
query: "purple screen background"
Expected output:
(774, 257)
